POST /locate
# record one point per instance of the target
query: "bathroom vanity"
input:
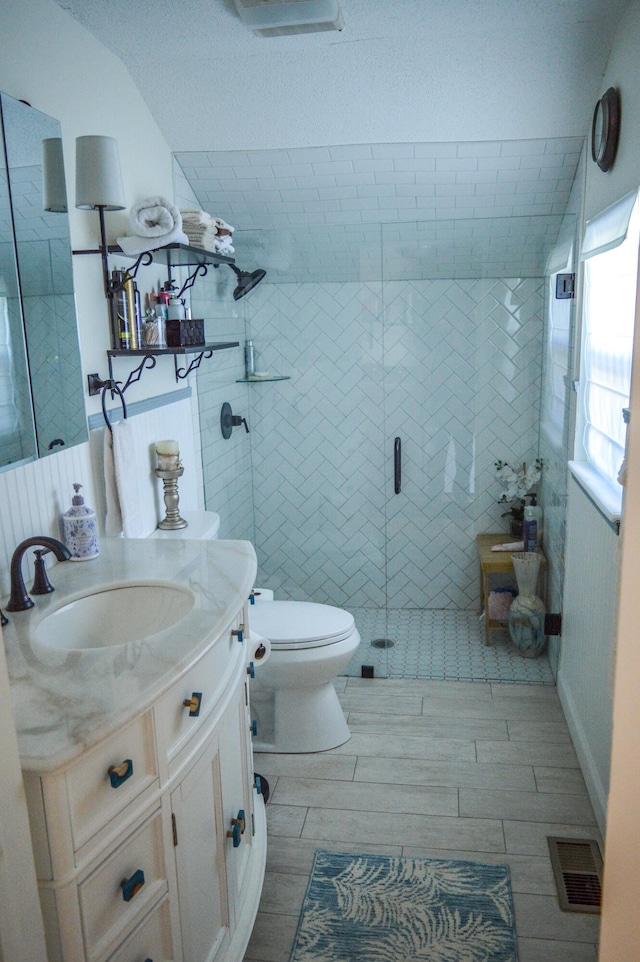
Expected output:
(148, 829)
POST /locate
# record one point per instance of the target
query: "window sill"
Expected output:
(606, 498)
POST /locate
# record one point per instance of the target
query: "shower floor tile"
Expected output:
(441, 645)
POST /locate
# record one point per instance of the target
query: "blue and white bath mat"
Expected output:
(382, 908)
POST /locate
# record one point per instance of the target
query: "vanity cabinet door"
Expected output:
(196, 806)
(151, 940)
(238, 794)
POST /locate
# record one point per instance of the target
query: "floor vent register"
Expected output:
(577, 871)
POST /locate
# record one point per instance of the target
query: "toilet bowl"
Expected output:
(292, 693)
(293, 699)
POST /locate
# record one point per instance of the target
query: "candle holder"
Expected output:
(172, 520)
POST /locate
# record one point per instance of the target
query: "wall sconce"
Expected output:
(54, 187)
(99, 185)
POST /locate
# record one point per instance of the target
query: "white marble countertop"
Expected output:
(66, 701)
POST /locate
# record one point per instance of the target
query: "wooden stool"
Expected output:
(499, 562)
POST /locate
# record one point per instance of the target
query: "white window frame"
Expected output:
(610, 255)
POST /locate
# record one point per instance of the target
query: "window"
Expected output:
(610, 255)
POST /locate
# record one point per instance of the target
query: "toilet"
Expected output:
(293, 700)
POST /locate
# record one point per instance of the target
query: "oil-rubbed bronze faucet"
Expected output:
(20, 600)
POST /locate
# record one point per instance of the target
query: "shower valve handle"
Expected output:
(229, 421)
(236, 421)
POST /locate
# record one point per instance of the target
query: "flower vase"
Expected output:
(526, 614)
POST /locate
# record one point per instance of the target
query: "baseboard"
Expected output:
(597, 791)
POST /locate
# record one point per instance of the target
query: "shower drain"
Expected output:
(382, 643)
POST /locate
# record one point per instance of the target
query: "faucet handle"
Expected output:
(41, 584)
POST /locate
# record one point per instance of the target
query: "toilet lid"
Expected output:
(300, 624)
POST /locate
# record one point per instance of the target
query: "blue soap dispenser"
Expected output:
(80, 529)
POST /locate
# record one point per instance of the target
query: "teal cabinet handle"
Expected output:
(238, 633)
(254, 728)
(131, 886)
(251, 670)
(193, 704)
(237, 828)
(120, 773)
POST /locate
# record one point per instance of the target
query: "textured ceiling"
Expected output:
(464, 119)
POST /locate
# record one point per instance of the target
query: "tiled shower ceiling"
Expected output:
(396, 211)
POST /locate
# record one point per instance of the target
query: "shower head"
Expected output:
(246, 281)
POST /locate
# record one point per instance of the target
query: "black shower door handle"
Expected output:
(397, 465)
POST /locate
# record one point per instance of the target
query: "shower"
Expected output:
(246, 280)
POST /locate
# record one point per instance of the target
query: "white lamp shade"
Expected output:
(98, 176)
(54, 188)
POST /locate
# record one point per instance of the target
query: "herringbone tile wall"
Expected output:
(452, 368)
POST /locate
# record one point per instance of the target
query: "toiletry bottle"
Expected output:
(530, 528)
(175, 309)
(130, 294)
(120, 316)
(249, 359)
(80, 529)
(538, 516)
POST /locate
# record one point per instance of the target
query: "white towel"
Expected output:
(197, 218)
(154, 222)
(123, 506)
(138, 245)
(154, 217)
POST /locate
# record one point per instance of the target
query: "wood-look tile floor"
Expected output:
(438, 769)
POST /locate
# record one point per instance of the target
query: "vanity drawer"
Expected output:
(151, 940)
(108, 907)
(96, 794)
(175, 722)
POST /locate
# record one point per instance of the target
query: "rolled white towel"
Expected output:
(134, 244)
(154, 217)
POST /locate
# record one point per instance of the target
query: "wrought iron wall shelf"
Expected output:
(149, 358)
(260, 380)
(171, 256)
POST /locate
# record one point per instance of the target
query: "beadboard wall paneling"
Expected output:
(588, 638)
(34, 496)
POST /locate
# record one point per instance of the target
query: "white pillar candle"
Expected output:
(167, 447)
(168, 455)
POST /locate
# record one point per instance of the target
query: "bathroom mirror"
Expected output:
(41, 396)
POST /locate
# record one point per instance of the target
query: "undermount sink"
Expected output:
(114, 615)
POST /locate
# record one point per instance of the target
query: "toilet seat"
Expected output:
(300, 624)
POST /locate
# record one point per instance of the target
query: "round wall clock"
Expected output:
(605, 129)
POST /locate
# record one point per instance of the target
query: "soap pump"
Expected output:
(80, 529)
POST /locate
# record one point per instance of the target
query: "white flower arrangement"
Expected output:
(519, 481)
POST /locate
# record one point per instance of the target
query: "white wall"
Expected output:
(51, 62)
(620, 920)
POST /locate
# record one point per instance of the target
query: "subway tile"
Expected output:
(435, 725)
(554, 950)
(530, 838)
(421, 771)
(366, 796)
(410, 746)
(433, 831)
(285, 820)
(271, 938)
(539, 916)
(526, 806)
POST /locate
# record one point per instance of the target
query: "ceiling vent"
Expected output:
(280, 18)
